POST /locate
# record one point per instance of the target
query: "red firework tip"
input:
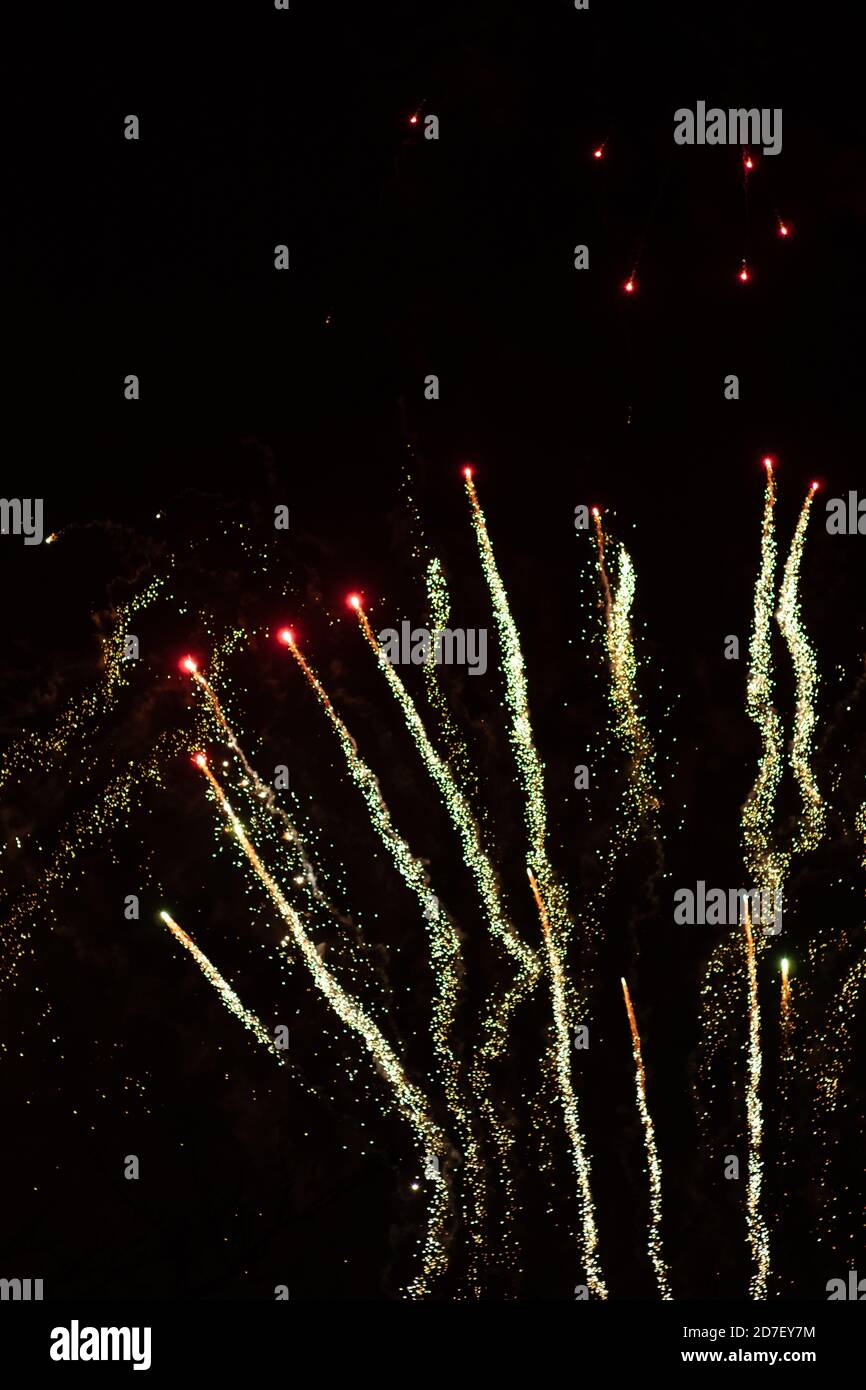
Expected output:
(354, 601)
(286, 636)
(744, 274)
(599, 153)
(748, 162)
(199, 759)
(189, 665)
(768, 462)
(784, 229)
(814, 486)
(413, 120)
(467, 472)
(596, 512)
(630, 285)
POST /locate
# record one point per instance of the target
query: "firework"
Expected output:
(500, 1010)
(445, 950)
(654, 1243)
(529, 765)
(562, 1053)
(763, 863)
(813, 812)
(549, 895)
(222, 987)
(640, 802)
(759, 1239)
(266, 796)
(469, 1096)
(785, 1008)
(460, 812)
(407, 1098)
(438, 611)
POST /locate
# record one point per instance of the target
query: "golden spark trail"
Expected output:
(640, 800)
(265, 794)
(446, 955)
(530, 767)
(460, 813)
(759, 1239)
(766, 866)
(550, 897)
(580, 1160)
(222, 987)
(497, 1016)
(438, 605)
(785, 1012)
(602, 568)
(786, 1063)
(789, 618)
(408, 1099)
(654, 1244)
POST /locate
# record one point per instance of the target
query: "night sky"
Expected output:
(306, 388)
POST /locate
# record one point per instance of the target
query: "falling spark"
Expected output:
(786, 1062)
(785, 1008)
(765, 865)
(529, 765)
(640, 801)
(265, 793)
(562, 1052)
(813, 813)
(222, 987)
(445, 947)
(459, 811)
(408, 1099)
(759, 1238)
(654, 1244)
(439, 608)
(498, 1014)
(550, 897)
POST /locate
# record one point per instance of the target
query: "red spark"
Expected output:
(354, 601)
(784, 229)
(630, 285)
(199, 759)
(189, 665)
(768, 462)
(744, 274)
(467, 472)
(748, 162)
(413, 120)
(599, 153)
(287, 636)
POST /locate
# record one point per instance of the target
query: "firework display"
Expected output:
(432, 687)
(465, 1126)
